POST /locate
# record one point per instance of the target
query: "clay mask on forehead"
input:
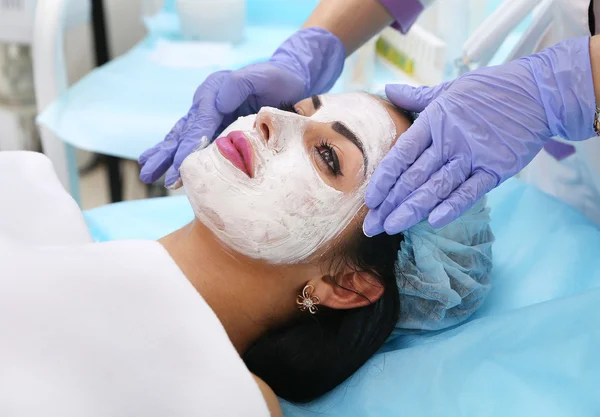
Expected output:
(286, 212)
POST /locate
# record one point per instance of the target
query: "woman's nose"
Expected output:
(264, 124)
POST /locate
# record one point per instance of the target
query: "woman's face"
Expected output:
(280, 184)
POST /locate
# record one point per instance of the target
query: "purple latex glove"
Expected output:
(307, 63)
(477, 131)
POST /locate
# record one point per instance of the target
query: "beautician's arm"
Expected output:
(595, 60)
(353, 21)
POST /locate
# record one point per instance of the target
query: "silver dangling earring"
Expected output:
(306, 301)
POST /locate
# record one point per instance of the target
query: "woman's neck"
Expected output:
(240, 291)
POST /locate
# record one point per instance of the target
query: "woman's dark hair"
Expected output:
(312, 356)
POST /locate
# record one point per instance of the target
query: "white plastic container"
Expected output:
(212, 20)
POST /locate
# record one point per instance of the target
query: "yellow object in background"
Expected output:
(417, 55)
(395, 57)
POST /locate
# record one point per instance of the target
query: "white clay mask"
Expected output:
(285, 212)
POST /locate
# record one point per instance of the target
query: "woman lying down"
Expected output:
(273, 289)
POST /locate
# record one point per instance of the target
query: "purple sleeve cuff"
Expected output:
(404, 11)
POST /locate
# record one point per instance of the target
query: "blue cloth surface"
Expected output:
(148, 219)
(130, 104)
(532, 349)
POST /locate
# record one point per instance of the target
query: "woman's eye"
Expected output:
(329, 157)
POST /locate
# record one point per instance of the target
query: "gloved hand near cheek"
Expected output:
(477, 131)
(307, 63)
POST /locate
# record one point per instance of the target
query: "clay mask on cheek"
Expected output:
(286, 212)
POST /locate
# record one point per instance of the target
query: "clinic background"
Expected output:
(431, 52)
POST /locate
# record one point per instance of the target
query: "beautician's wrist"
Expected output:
(404, 12)
(563, 75)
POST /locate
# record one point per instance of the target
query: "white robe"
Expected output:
(101, 329)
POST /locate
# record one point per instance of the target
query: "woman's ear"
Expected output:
(348, 290)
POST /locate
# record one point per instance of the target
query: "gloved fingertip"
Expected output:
(442, 215)
(204, 142)
(144, 179)
(176, 185)
(148, 172)
(400, 95)
(392, 89)
(413, 98)
(172, 177)
(371, 225)
(438, 223)
(399, 221)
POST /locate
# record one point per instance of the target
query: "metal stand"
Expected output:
(113, 164)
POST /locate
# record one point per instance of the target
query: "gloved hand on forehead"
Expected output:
(307, 63)
(477, 131)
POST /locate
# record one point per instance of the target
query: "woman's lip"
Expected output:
(236, 148)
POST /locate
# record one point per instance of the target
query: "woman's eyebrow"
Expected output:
(316, 101)
(348, 134)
